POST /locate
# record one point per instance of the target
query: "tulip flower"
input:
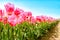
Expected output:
(20, 20)
(1, 14)
(9, 8)
(33, 20)
(44, 18)
(18, 11)
(12, 23)
(12, 20)
(5, 20)
(39, 19)
(27, 15)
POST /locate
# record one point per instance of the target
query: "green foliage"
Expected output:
(25, 30)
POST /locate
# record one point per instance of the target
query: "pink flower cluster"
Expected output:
(15, 16)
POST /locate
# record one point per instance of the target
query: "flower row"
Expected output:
(15, 16)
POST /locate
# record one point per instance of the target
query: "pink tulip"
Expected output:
(45, 18)
(39, 19)
(1, 14)
(9, 8)
(20, 20)
(5, 20)
(18, 11)
(12, 20)
(33, 20)
(12, 23)
(27, 15)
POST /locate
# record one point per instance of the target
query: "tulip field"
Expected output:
(17, 24)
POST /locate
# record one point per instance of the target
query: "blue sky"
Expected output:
(37, 7)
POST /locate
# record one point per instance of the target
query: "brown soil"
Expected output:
(54, 34)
